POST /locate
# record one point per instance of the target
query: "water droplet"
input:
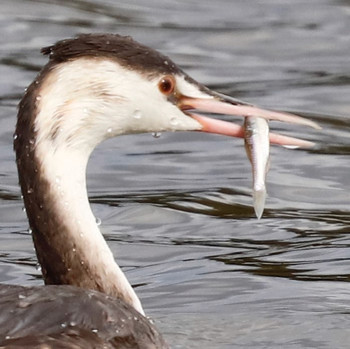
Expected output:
(137, 114)
(174, 121)
(38, 97)
(30, 191)
(82, 262)
(7, 337)
(58, 179)
(290, 146)
(98, 221)
(72, 323)
(21, 296)
(156, 134)
(38, 267)
(15, 136)
(109, 130)
(94, 330)
(150, 319)
(22, 303)
(166, 62)
(63, 325)
(30, 231)
(74, 249)
(24, 209)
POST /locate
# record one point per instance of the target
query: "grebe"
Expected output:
(94, 87)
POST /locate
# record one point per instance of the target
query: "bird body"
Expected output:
(71, 318)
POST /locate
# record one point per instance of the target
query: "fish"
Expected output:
(255, 132)
(257, 145)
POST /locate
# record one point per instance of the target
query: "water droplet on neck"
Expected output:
(98, 221)
(15, 136)
(137, 114)
(174, 121)
(156, 134)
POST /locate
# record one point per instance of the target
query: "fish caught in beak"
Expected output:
(221, 104)
(255, 131)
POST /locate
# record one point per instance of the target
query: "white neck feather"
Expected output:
(66, 174)
(63, 144)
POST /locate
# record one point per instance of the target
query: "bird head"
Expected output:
(97, 86)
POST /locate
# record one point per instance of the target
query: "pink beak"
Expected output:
(220, 104)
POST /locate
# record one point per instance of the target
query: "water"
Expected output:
(177, 210)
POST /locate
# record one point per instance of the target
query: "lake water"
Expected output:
(177, 210)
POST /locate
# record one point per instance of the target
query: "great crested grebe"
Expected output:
(94, 87)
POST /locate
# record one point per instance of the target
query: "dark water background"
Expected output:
(177, 210)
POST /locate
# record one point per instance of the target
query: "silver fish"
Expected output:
(257, 145)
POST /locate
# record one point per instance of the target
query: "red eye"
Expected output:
(167, 85)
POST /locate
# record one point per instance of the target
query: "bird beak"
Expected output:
(220, 104)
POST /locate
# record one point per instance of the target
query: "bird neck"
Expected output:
(69, 245)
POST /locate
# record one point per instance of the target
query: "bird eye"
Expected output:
(167, 85)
